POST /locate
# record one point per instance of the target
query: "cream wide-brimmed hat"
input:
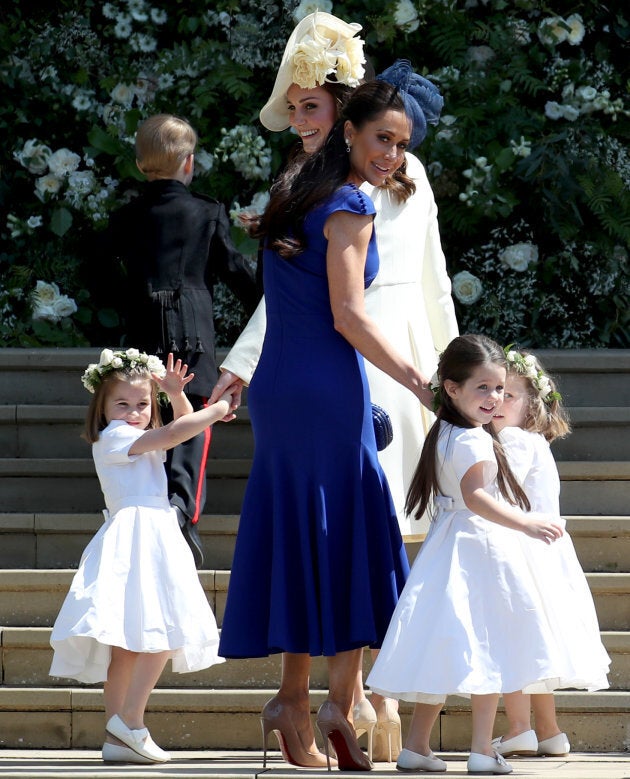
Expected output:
(319, 47)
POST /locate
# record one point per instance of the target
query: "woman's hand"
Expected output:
(228, 382)
(176, 377)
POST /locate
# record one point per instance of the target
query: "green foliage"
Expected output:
(529, 164)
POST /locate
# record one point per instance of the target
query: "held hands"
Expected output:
(228, 382)
(540, 527)
(175, 378)
(231, 396)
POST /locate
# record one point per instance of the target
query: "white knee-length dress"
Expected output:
(136, 586)
(472, 618)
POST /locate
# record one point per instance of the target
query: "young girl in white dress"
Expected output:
(136, 600)
(469, 620)
(530, 418)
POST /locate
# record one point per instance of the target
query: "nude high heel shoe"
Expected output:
(387, 735)
(335, 727)
(364, 718)
(277, 717)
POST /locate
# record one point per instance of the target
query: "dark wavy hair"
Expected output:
(309, 181)
(458, 361)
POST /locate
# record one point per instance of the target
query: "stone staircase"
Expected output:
(50, 505)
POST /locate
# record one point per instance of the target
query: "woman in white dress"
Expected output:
(410, 299)
(470, 620)
(136, 600)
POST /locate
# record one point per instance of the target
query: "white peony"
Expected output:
(467, 288)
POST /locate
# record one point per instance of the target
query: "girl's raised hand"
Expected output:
(175, 378)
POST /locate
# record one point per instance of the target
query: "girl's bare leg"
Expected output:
(422, 722)
(484, 709)
(146, 672)
(544, 708)
(517, 710)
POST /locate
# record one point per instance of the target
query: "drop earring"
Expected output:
(348, 147)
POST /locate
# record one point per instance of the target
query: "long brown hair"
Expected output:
(309, 181)
(458, 361)
(95, 421)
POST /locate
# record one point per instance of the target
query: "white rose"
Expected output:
(46, 312)
(155, 365)
(47, 185)
(133, 354)
(552, 31)
(519, 256)
(553, 110)
(46, 293)
(63, 162)
(64, 306)
(529, 360)
(586, 93)
(349, 69)
(122, 94)
(576, 29)
(511, 356)
(467, 288)
(406, 16)
(34, 156)
(106, 358)
(307, 7)
(117, 362)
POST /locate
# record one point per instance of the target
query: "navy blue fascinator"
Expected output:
(422, 99)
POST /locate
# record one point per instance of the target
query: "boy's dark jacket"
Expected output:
(173, 246)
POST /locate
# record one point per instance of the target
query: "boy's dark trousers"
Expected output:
(186, 474)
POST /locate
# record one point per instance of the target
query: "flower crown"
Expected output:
(318, 56)
(120, 360)
(525, 365)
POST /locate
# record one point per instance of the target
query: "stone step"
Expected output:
(26, 654)
(33, 598)
(585, 376)
(72, 718)
(39, 431)
(70, 484)
(46, 540)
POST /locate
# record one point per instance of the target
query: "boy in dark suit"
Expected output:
(173, 245)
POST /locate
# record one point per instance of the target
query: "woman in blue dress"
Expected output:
(319, 560)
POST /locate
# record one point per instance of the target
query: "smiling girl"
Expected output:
(470, 620)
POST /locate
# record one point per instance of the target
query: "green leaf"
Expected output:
(61, 221)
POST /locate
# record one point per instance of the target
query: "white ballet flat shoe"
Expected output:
(139, 740)
(524, 744)
(409, 761)
(554, 746)
(484, 764)
(114, 753)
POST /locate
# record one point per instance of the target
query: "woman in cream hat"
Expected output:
(410, 298)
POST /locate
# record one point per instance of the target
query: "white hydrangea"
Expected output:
(246, 150)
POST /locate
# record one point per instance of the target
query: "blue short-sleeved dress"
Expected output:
(319, 561)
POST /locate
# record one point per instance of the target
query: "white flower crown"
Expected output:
(118, 360)
(525, 365)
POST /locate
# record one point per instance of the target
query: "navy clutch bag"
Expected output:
(382, 427)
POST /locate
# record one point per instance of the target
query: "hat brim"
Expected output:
(274, 115)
